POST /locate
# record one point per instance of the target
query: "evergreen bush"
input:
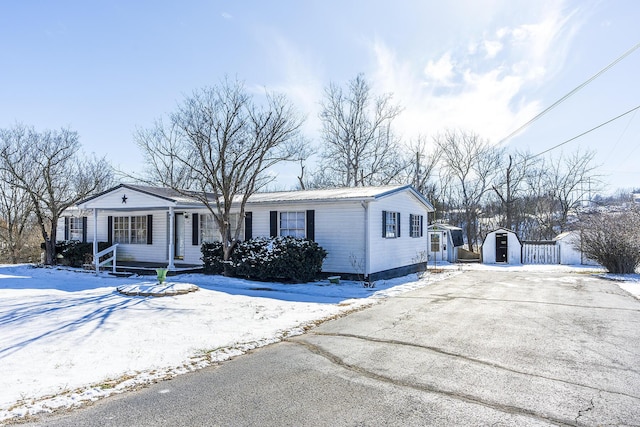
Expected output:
(280, 258)
(74, 253)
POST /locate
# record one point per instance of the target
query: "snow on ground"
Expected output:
(67, 336)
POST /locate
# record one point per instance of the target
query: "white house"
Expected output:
(443, 242)
(376, 232)
(501, 246)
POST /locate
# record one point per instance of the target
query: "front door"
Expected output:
(179, 236)
(501, 247)
(436, 246)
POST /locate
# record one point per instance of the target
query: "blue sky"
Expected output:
(104, 68)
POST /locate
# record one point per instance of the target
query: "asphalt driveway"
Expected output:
(499, 348)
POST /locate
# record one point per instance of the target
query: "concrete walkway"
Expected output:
(483, 348)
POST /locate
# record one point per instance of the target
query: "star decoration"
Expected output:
(124, 198)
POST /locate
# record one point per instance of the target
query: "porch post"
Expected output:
(172, 237)
(96, 262)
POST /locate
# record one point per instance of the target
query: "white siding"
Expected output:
(389, 253)
(134, 199)
(514, 248)
(339, 229)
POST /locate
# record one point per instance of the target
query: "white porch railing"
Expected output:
(112, 259)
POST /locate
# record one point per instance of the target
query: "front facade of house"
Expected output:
(375, 232)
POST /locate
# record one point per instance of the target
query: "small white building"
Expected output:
(443, 242)
(376, 232)
(569, 254)
(501, 246)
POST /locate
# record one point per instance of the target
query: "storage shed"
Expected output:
(443, 242)
(569, 255)
(501, 246)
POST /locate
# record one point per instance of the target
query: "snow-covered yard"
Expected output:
(67, 336)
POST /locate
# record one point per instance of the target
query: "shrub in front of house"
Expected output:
(74, 253)
(281, 258)
(212, 258)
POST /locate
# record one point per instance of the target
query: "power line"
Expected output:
(564, 98)
(584, 133)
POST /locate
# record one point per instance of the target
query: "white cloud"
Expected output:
(226, 15)
(492, 48)
(441, 71)
(475, 88)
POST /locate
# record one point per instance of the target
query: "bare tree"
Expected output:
(360, 147)
(421, 166)
(612, 239)
(50, 169)
(16, 222)
(570, 181)
(470, 164)
(510, 188)
(217, 146)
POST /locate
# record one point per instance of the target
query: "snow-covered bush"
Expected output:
(612, 239)
(279, 258)
(212, 258)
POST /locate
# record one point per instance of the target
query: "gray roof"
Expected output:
(333, 194)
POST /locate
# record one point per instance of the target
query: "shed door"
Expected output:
(501, 247)
(436, 246)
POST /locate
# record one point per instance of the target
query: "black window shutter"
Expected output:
(311, 224)
(273, 223)
(84, 229)
(398, 225)
(248, 226)
(110, 230)
(195, 224)
(384, 223)
(421, 221)
(66, 228)
(149, 229)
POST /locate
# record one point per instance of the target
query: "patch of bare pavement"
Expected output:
(482, 348)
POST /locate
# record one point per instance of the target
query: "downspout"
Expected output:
(172, 237)
(367, 246)
(96, 261)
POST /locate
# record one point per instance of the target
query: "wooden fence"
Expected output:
(540, 252)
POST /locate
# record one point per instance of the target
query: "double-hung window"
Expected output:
(390, 224)
(75, 228)
(130, 229)
(292, 224)
(208, 229)
(416, 225)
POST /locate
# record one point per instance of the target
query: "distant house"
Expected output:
(635, 196)
(501, 246)
(443, 242)
(376, 232)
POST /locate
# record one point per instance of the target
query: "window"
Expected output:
(75, 228)
(130, 229)
(292, 224)
(435, 242)
(416, 225)
(390, 224)
(121, 229)
(138, 230)
(208, 229)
